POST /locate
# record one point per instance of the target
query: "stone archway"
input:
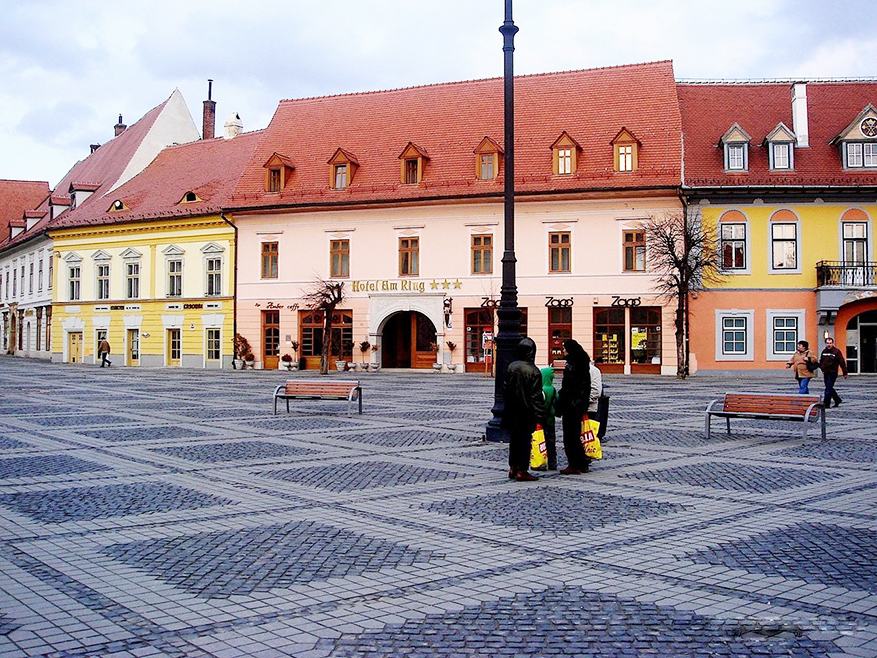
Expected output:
(408, 340)
(383, 307)
(856, 333)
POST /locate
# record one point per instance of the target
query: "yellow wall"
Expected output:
(153, 312)
(819, 231)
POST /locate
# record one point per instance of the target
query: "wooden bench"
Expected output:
(319, 389)
(806, 409)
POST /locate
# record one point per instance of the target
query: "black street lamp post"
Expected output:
(509, 316)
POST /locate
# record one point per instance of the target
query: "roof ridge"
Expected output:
(473, 80)
(771, 81)
(214, 139)
(19, 180)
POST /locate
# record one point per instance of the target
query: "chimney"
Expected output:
(209, 125)
(234, 126)
(94, 147)
(120, 127)
(799, 114)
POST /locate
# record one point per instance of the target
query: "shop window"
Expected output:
(559, 251)
(214, 351)
(482, 254)
(479, 352)
(559, 330)
(311, 336)
(609, 339)
(339, 259)
(634, 251)
(409, 256)
(645, 339)
(270, 339)
(269, 260)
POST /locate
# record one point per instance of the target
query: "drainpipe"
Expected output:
(234, 297)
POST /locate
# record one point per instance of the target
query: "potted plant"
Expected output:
(376, 364)
(363, 348)
(293, 345)
(286, 362)
(435, 366)
(451, 345)
(249, 361)
(241, 349)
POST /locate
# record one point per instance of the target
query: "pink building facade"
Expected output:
(399, 195)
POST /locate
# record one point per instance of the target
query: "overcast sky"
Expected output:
(68, 68)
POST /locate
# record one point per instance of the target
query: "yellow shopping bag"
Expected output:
(538, 450)
(590, 441)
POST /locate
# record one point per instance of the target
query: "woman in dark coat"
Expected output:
(572, 403)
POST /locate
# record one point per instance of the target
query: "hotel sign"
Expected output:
(405, 285)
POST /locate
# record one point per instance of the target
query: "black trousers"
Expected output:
(551, 446)
(104, 361)
(519, 449)
(572, 444)
(830, 394)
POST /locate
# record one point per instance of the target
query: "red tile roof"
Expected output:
(449, 121)
(17, 196)
(708, 110)
(209, 168)
(101, 168)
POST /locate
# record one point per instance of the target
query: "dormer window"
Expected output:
(487, 156)
(564, 152)
(858, 141)
(278, 169)
(190, 197)
(780, 143)
(412, 161)
(118, 206)
(735, 143)
(342, 167)
(625, 151)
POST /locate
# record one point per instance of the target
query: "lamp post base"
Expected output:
(495, 433)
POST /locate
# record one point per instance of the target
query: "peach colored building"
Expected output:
(399, 195)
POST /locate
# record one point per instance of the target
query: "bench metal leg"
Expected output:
(275, 405)
(359, 391)
(822, 414)
(728, 421)
(707, 425)
(287, 405)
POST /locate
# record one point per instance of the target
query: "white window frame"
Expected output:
(129, 278)
(854, 155)
(744, 156)
(749, 316)
(40, 274)
(98, 280)
(775, 162)
(798, 250)
(564, 161)
(207, 358)
(747, 266)
(800, 315)
(869, 155)
(217, 275)
(625, 157)
(74, 291)
(169, 288)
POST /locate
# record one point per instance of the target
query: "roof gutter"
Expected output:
(234, 297)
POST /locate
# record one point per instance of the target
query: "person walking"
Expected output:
(103, 350)
(550, 394)
(803, 363)
(830, 361)
(573, 400)
(524, 408)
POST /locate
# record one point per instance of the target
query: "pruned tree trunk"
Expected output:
(327, 343)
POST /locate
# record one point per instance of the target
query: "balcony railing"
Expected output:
(846, 275)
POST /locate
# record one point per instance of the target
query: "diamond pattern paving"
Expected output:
(143, 433)
(569, 622)
(836, 449)
(403, 438)
(221, 564)
(813, 552)
(10, 444)
(87, 503)
(224, 452)
(20, 467)
(7, 625)
(735, 477)
(361, 475)
(560, 511)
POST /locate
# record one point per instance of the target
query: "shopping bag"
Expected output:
(538, 449)
(590, 441)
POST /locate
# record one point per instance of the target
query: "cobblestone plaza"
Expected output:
(168, 513)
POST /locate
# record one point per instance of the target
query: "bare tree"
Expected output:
(683, 258)
(325, 297)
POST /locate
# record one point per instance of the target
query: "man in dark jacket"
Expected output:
(524, 408)
(829, 362)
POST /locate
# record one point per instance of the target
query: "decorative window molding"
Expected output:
(784, 329)
(734, 334)
(735, 143)
(342, 169)
(411, 164)
(488, 156)
(72, 257)
(278, 170)
(564, 155)
(625, 148)
(173, 250)
(131, 253)
(100, 254)
(212, 248)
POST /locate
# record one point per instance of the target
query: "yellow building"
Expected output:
(152, 272)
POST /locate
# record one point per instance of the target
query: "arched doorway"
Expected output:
(408, 341)
(862, 343)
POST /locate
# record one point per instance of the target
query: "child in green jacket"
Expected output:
(550, 399)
